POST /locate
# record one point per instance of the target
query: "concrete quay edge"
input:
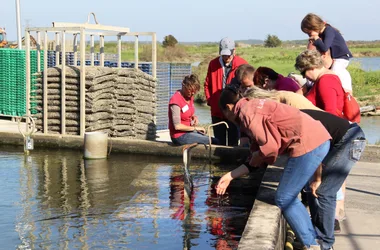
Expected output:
(134, 146)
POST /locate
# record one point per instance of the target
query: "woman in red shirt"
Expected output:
(327, 92)
(182, 120)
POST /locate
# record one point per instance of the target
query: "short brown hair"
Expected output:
(309, 59)
(244, 70)
(191, 81)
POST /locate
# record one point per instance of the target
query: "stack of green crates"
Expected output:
(13, 81)
(33, 76)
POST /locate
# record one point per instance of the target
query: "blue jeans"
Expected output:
(297, 173)
(193, 137)
(336, 167)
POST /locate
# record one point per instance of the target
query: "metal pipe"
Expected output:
(101, 43)
(57, 49)
(75, 48)
(82, 82)
(28, 70)
(44, 86)
(154, 55)
(119, 51)
(92, 50)
(63, 85)
(209, 136)
(19, 37)
(188, 181)
(38, 51)
(136, 52)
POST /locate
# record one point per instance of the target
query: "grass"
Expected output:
(281, 59)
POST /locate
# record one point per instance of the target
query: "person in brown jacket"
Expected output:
(274, 129)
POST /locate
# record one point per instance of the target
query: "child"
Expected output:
(323, 37)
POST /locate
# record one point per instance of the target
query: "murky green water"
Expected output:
(56, 200)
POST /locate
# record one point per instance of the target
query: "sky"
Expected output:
(201, 20)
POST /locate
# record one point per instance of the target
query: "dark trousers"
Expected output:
(220, 132)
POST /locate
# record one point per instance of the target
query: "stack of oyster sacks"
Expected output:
(120, 102)
(135, 92)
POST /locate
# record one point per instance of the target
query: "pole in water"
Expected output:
(188, 180)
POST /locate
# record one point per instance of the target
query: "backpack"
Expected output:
(351, 108)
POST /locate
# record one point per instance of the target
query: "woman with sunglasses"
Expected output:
(327, 92)
(274, 129)
(183, 124)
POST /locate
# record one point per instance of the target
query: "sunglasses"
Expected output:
(303, 73)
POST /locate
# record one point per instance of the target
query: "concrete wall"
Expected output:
(266, 227)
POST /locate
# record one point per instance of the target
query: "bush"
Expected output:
(169, 41)
(272, 41)
(172, 54)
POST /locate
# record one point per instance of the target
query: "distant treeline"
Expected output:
(368, 44)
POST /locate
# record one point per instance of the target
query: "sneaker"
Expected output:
(313, 247)
(320, 242)
(341, 215)
(336, 226)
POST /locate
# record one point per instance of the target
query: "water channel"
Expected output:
(53, 199)
(367, 63)
(369, 124)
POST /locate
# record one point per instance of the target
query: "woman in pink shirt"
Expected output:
(267, 78)
(274, 129)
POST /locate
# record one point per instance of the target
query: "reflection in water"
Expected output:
(65, 202)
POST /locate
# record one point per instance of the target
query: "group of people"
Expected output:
(282, 115)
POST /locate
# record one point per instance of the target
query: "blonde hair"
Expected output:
(257, 93)
(309, 59)
(312, 22)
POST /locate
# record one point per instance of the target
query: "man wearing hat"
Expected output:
(220, 72)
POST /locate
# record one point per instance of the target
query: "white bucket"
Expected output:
(95, 145)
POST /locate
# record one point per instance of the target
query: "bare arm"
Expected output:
(224, 182)
(176, 118)
(317, 180)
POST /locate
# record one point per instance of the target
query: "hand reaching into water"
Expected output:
(223, 183)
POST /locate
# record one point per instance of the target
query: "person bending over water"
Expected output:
(274, 129)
